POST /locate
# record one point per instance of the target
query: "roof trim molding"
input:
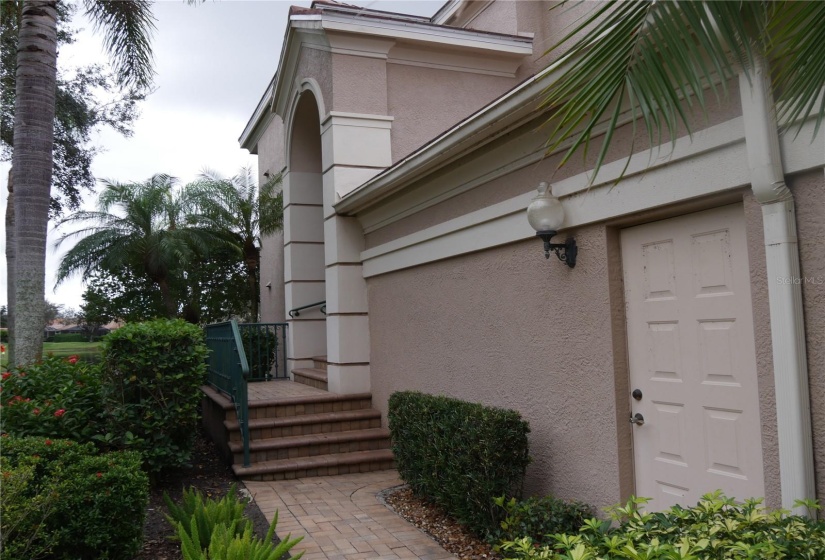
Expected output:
(312, 26)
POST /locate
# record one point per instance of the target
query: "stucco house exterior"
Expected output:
(410, 148)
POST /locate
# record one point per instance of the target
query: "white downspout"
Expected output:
(796, 457)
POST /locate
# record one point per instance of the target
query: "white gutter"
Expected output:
(793, 413)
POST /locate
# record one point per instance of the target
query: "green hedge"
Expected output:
(152, 375)
(65, 501)
(460, 455)
(68, 337)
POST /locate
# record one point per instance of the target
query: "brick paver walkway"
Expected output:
(340, 517)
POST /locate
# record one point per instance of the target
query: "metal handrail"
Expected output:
(297, 311)
(228, 371)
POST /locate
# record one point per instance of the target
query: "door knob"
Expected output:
(637, 419)
(637, 394)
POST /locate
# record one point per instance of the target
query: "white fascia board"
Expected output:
(482, 127)
(259, 121)
(446, 11)
(411, 31)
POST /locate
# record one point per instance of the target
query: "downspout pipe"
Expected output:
(796, 456)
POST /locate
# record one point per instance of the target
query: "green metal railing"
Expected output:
(228, 371)
(265, 347)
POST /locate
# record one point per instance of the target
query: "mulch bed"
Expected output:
(209, 474)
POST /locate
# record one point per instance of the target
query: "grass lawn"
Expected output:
(88, 351)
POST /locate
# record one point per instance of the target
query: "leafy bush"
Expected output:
(538, 517)
(260, 345)
(4, 336)
(716, 528)
(206, 514)
(226, 544)
(22, 514)
(57, 398)
(458, 454)
(92, 506)
(152, 374)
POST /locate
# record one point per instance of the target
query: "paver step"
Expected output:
(310, 404)
(319, 362)
(291, 447)
(319, 465)
(305, 424)
(314, 377)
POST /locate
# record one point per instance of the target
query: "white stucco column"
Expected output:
(356, 147)
(304, 265)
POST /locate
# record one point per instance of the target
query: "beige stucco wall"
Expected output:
(450, 97)
(360, 84)
(510, 329)
(809, 191)
(271, 160)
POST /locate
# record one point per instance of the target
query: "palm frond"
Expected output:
(127, 27)
(797, 32)
(651, 60)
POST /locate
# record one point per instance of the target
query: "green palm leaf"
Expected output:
(654, 61)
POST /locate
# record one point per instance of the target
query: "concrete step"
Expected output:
(306, 424)
(319, 465)
(310, 404)
(319, 362)
(291, 447)
(313, 377)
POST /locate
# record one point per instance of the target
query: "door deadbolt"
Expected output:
(637, 419)
(637, 394)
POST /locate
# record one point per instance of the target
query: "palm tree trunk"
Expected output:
(32, 171)
(168, 301)
(10, 262)
(252, 260)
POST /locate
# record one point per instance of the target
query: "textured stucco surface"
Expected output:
(271, 159)
(510, 329)
(360, 84)
(764, 349)
(809, 191)
(527, 178)
(450, 96)
(317, 64)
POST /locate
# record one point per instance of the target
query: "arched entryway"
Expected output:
(304, 270)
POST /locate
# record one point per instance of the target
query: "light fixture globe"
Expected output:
(545, 213)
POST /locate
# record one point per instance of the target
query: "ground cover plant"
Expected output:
(538, 517)
(69, 502)
(210, 529)
(459, 455)
(717, 528)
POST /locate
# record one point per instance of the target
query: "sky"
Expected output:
(213, 62)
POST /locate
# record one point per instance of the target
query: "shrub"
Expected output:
(152, 374)
(94, 504)
(538, 517)
(458, 454)
(22, 513)
(226, 544)
(260, 345)
(206, 514)
(57, 398)
(716, 528)
(68, 337)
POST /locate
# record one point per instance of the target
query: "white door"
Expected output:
(692, 358)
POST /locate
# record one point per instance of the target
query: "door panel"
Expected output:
(691, 353)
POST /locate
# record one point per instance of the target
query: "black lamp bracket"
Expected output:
(566, 252)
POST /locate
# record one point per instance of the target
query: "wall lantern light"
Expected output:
(546, 215)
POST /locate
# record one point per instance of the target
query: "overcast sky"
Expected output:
(213, 62)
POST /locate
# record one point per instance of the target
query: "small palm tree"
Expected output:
(235, 208)
(654, 59)
(149, 228)
(126, 25)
